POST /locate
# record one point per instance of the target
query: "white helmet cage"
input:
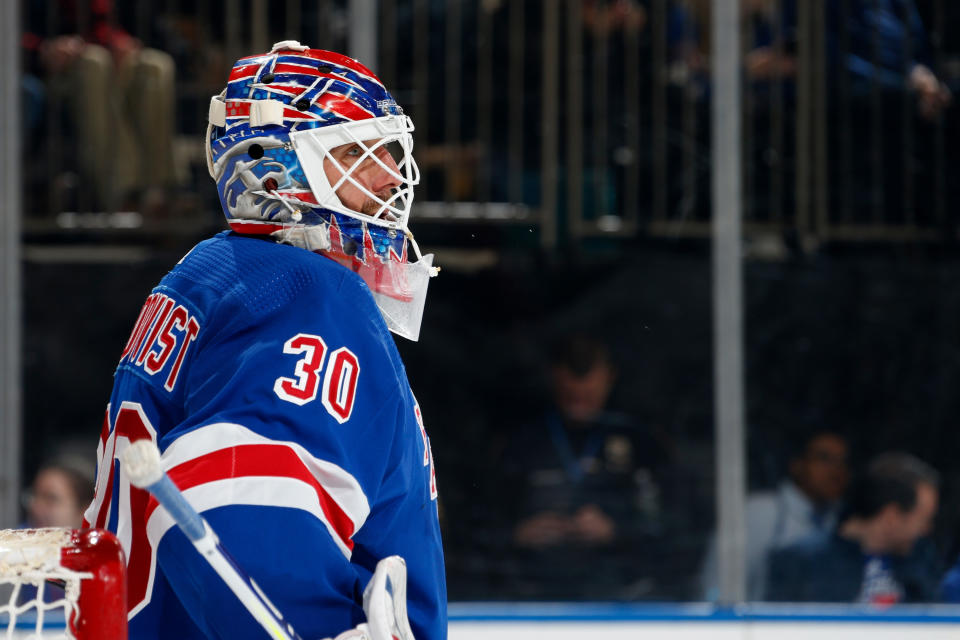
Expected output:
(374, 137)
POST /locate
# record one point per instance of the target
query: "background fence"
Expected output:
(566, 153)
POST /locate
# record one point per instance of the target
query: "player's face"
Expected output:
(368, 172)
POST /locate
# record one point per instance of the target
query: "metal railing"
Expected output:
(618, 94)
(584, 118)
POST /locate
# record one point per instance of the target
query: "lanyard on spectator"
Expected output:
(561, 442)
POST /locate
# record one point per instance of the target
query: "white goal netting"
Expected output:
(38, 595)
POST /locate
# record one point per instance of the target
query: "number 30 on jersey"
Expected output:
(334, 379)
(338, 388)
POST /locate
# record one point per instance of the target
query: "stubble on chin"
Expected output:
(372, 207)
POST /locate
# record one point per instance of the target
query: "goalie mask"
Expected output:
(309, 147)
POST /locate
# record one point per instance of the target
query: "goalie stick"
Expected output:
(141, 461)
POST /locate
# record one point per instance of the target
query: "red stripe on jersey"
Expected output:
(258, 460)
(343, 106)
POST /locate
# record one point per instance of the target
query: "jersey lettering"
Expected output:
(162, 327)
(304, 388)
(423, 432)
(131, 425)
(339, 390)
(427, 450)
(162, 314)
(143, 322)
(340, 384)
(193, 328)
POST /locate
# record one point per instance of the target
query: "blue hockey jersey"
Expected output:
(276, 395)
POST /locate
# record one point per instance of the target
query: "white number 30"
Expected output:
(339, 378)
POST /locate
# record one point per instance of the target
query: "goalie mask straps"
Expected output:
(434, 271)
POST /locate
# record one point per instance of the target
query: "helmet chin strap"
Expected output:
(434, 271)
(295, 214)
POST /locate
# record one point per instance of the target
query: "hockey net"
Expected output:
(62, 583)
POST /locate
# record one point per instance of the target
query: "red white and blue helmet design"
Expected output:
(268, 147)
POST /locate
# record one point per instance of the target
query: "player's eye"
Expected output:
(354, 152)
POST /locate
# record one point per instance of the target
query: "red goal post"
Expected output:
(76, 575)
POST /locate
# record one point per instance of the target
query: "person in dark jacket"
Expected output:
(877, 554)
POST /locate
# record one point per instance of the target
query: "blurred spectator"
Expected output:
(887, 45)
(873, 556)
(586, 482)
(61, 491)
(870, 43)
(805, 503)
(773, 54)
(118, 96)
(632, 17)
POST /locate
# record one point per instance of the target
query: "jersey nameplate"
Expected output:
(163, 333)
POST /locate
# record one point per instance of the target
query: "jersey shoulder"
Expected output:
(233, 292)
(258, 274)
(255, 297)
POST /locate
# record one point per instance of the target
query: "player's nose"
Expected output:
(387, 175)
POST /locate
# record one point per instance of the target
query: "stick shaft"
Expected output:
(206, 542)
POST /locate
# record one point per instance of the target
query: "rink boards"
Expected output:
(596, 621)
(603, 621)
